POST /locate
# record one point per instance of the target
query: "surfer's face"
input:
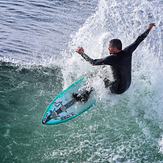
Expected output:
(111, 49)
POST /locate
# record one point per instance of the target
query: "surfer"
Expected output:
(120, 62)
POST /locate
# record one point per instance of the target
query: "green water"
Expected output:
(102, 134)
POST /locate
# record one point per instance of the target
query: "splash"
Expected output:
(124, 20)
(112, 20)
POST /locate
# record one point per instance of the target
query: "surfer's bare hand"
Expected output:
(150, 26)
(80, 50)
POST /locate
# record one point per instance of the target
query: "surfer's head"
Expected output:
(115, 46)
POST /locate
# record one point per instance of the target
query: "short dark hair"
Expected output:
(116, 43)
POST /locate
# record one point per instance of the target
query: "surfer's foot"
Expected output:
(82, 97)
(77, 96)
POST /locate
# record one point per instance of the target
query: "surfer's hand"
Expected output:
(150, 26)
(80, 50)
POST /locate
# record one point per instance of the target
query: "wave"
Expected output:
(14, 76)
(120, 128)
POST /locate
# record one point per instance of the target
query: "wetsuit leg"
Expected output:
(113, 86)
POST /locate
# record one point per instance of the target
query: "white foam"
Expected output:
(124, 20)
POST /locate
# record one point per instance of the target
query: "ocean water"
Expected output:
(38, 40)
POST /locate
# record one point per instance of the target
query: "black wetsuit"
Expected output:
(120, 64)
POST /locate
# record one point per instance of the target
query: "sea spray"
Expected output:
(124, 20)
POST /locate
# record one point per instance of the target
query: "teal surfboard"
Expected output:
(64, 107)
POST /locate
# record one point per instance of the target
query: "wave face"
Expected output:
(38, 61)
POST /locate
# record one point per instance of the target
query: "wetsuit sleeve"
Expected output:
(133, 46)
(104, 61)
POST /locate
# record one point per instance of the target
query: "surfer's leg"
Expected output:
(113, 86)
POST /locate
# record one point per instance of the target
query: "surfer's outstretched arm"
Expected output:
(103, 61)
(80, 50)
(110, 60)
(140, 38)
(144, 35)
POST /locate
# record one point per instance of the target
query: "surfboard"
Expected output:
(65, 107)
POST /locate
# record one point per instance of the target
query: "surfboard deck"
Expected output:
(64, 107)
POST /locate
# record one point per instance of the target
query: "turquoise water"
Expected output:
(38, 60)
